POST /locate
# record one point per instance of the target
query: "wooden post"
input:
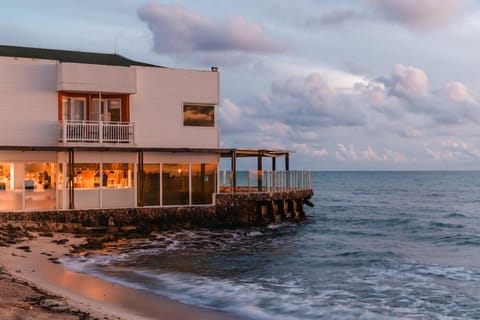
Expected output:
(287, 168)
(71, 182)
(234, 171)
(140, 180)
(259, 170)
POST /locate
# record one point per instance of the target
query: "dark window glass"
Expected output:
(151, 185)
(203, 182)
(175, 186)
(198, 115)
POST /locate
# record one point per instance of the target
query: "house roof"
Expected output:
(70, 56)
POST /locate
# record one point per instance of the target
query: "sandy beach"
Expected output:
(35, 285)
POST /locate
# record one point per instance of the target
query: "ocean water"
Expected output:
(377, 245)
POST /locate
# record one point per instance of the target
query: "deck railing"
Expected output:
(266, 181)
(95, 131)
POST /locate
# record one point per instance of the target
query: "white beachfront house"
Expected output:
(88, 130)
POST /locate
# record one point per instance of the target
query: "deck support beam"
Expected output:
(140, 180)
(260, 170)
(234, 171)
(71, 180)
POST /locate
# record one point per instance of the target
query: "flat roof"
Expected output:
(108, 59)
(223, 152)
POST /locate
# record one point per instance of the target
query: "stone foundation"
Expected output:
(230, 211)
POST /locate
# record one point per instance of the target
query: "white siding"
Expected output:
(96, 78)
(179, 158)
(29, 100)
(97, 157)
(29, 103)
(157, 108)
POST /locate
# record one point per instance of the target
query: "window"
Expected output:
(151, 184)
(74, 108)
(109, 110)
(93, 107)
(175, 185)
(198, 115)
(6, 176)
(203, 182)
(40, 176)
(117, 175)
(86, 175)
(40, 185)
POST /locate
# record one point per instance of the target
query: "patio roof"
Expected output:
(223, 152)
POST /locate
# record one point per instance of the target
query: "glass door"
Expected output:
(109, 110)
(74, 108)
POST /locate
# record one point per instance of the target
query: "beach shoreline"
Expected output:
(35, 285)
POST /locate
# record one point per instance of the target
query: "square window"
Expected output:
(198, 115)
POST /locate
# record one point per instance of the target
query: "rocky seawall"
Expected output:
(230, 211)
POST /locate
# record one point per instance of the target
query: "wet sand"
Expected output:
(34, 285)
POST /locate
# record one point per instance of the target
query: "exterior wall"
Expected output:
(29, 102)
(14, 194)
(20, 156)
(157, 108)
(96, 157)
(96, 78)
(29, 96)
(179, 158)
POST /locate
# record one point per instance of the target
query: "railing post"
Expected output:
(64, 132)
(131, 135)
(100, 131)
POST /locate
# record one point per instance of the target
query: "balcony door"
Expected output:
(74, 108)
(108, 110)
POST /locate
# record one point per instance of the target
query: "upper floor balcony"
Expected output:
(80, 131)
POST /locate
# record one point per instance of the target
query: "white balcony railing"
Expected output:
(266, 181)
(95, 131)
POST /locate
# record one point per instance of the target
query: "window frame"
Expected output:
(124, 100)
(199, 123)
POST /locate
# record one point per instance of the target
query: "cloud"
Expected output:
(453, 150)
(352, 126)
(419, 15)
(407, 91)
(178, 30)
(230, 112)
(335, 17)
(458, 92)
(409, 81)
(310, 101)
(349, 153)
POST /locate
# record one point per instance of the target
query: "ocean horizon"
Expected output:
(377, 244)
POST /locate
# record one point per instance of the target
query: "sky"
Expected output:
(347, 85)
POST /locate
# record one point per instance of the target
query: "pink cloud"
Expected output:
(409, 81)
(420, 15)
(178, 30)
(458, 92)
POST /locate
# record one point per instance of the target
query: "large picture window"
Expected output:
(6, 176)
(203, 182)
(117, 175)
(86, 175)
(175, 185)
(198, 115)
